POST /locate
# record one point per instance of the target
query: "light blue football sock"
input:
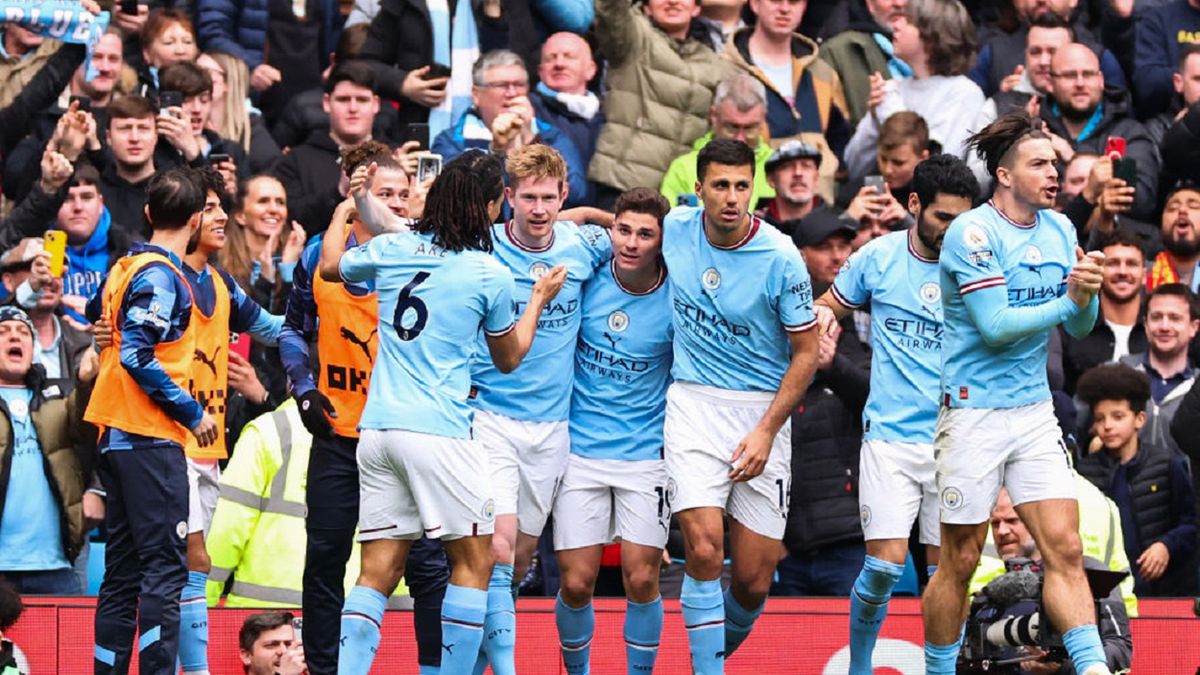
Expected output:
(868, 608)
(362, 617)
(500, 626)
(704, 618)
(575, 628)
(643, 630)
(738, 623)
(193, 625)
(463, 612)
(1084, 647)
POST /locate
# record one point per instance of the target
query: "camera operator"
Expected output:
(1012, 540)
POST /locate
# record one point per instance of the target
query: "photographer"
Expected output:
(1012, 540)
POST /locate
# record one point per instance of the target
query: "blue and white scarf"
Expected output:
(63, 20)
(897, 67)
(458, 48)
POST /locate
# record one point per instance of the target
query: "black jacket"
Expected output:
(401, 39)
(30, 217)
(582, 132)
(310, 173)
(1117, 120)
(1097, 348)
(305, 116)
(826, 439)
(1160, 506)
(17, 119)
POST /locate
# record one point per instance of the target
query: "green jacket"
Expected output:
(681, 175)
(658, 98)
(854, 56)
(68, 448)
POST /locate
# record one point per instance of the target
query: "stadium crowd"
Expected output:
(299, 117)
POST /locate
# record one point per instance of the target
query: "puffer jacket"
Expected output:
(68, 447)
(659, 93)
(240, 28)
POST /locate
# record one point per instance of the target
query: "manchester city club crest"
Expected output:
(488, 510)
(864, 515)
(952, 498)
(1033, 255)
(618, 321)
(974, 237)
(538, 270)
(931, 293)
(711, 279)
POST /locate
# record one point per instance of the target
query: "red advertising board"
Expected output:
(794, 635)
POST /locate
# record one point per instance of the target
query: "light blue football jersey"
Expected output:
(733, 307)
(622, 369)
(984, 249)
(433, 304)
(539, 390)
(906, 335)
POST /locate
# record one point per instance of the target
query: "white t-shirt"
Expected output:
(780, 77)
(1121, 341)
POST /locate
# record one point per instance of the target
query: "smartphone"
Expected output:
(687, 199)
(129, 7)
(239, 343)
(1126, 169)
(85, 103)
(877, 182)
(169, 99)
(298, 628)
(416, 131)
(1114, 148)
(437, 70)
(55, 243)
(428, 166)
(218, 157)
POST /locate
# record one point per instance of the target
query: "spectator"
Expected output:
(792, 172)
(30, 216)
(306, 114)
(46, 459)
(1186, 82)
(935, 38)
(196, 86)
(108, 62)
(1148, 480)
(1180, 239)
(660, 84)
(903, 144)
(1075, 175)
(1009, 539)
(267, 645)
(1162, 33)
(263, 248)
(18, 118)
(272, 42)
(718, 21)
(406, 38)
(864, 48)
(501, 119)
(167, 37)
(132, 139)
(1120, 330)
(1081, 114)
(824, 539)
(310, 172)
(561, 97)
(232, 118)
(1172, 319)
(12, 659)
(738, 112)
(93, 244)
(24, 53)
(1000, 53)
(804, 94)
(58, 346)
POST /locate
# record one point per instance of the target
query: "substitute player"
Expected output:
(522, 418)
(219, 307)
(343, 319)
(615, 484)
(898, 275)
(146, 415)
(1010, 271)
(422, 471)
(744, 353)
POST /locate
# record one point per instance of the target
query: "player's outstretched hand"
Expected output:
(750, 457)
(206, 431)
(1084, 281)
(550, 284)
(314, 406)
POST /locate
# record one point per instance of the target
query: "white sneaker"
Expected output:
(1097, 669)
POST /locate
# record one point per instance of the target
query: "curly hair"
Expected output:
(947, 32)
(1114, 382)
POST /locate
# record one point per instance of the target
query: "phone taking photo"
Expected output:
(877, 182)
(428, 166)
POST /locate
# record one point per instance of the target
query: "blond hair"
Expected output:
(235, 122)
(536, 161)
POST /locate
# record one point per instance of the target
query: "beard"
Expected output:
(1181, 248)
(928, 234)
(1108, 293)
(1075, 114)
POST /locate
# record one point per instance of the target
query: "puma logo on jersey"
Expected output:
(611, 340)
(210, 362)
(364, 345)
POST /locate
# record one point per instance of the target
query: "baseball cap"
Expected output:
(10, 313)
(20, 255)
(818, 226)
(793, 149)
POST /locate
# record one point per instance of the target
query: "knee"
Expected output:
(503, 550)
(704, 549)
(1063, 551)
(641, 583)
(577, 588)
(959, 563)
(752, 586)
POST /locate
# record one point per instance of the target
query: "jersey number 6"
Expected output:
(404, 303)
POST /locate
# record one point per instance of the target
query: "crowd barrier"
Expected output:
(805, 636)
